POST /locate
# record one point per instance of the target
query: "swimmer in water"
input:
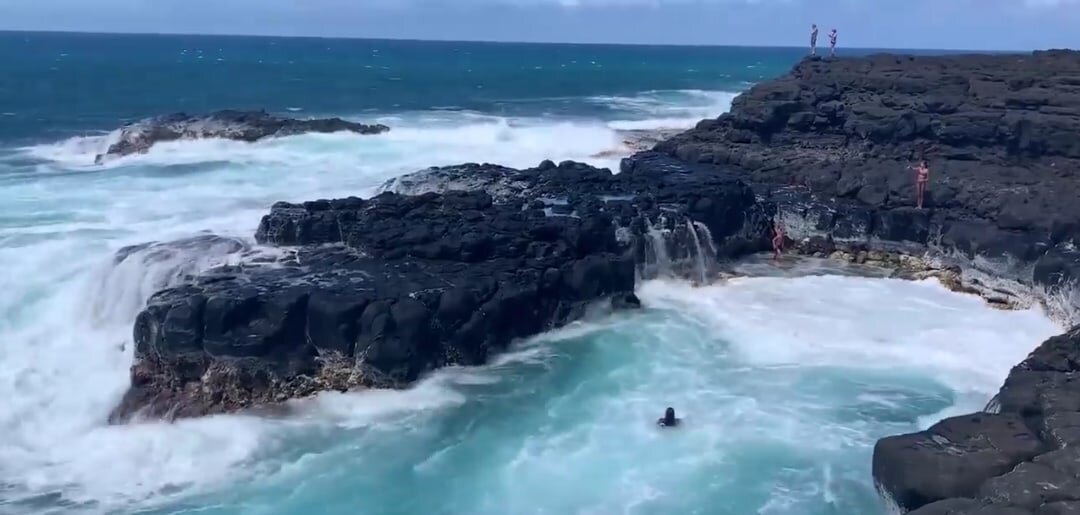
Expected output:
(668, 420)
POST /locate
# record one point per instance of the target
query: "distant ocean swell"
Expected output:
(460, 134)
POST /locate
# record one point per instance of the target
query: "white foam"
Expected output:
(866, 324)
(65, 363)
(66, 313)
(680, 109)
(466, 137)
(66, 316)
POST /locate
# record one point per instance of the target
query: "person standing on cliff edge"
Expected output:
(813, 39)
(832, 43)
(922, 177)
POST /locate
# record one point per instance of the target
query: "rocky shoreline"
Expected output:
(829, 143)
(450, 264)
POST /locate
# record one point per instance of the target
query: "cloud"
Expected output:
(1051, 3)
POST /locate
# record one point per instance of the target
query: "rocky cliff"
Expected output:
(999, 133)
(829, 145)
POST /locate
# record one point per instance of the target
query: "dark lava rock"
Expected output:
(1059, 508)
(952, 458)
(376, 292)
(1030, 485)
(832, 141)
(247, 126)
(1066, 461)
(953, 506)
(967, 507)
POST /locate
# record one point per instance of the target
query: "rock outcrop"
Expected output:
(828, 147)
(450, 264)
(247, 126)
(376, 292)
(831, 143)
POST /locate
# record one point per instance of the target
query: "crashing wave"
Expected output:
(246, 126)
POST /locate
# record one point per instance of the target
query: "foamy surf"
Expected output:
(876, 357)
(512, 142)
(563, 423)
(679, 109)
(452, 136)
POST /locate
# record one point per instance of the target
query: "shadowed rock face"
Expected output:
(378, 291)
(247, 126)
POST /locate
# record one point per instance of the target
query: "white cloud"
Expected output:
(1052, 3)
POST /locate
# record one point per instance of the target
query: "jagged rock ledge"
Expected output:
(828, 145)
(246, 126)
(376, 292)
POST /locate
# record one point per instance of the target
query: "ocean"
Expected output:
(785, 379)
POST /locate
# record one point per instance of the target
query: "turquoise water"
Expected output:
(784, 383)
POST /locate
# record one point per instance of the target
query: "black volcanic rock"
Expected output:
(833, 139)
(247, 126)
(1035, 429)
(827, 148)
(376, 292)
(952, 458)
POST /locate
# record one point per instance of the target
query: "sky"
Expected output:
(936, 24)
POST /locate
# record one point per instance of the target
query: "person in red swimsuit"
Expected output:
(778, 240)
(922, 177)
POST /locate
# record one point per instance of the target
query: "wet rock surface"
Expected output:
(247, 126)
(376, 292)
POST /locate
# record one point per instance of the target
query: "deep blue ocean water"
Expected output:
(785, 383)
(59, 84)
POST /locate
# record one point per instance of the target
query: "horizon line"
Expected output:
(494, 41)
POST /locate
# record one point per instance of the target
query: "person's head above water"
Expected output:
(669, 419)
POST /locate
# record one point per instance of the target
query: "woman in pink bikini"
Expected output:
(778, 240)
(922, 177)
